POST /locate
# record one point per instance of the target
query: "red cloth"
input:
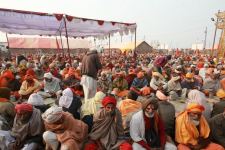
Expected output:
(161, 129)
(144, 144)
(8, 74)
(160, 61)
(24, 107)
(3, 82)
(91, 146)
(123, 146)
(108, 100)
(147, 122)
(126, 146)
(3, 100)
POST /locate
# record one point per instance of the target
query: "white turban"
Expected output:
(48, 75)
(52, 114)
(66, 99)
(35, 100)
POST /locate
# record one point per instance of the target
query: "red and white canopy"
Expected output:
(35, 23)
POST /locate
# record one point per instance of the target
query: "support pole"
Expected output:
(7, 38)
(205, 38)
(214, 38)
(62, 44)
(68, 48)
(135, 41)
(220, 47)
(110, 53)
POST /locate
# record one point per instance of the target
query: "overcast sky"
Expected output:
(178, 23)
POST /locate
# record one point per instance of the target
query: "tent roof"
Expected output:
(36, 23)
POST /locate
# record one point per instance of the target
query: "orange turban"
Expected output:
(195, 107)
(24, 107)
(186, 131)
(108, 100)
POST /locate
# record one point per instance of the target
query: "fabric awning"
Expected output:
(35, 23)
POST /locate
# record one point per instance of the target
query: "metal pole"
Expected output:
(205, 38)
(68, 48)
(110, 53)
(61, 44)
(135, 40)
(7, 38)
(220, 50)
(214, 38)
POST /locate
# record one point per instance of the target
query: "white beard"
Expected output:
(196, 123)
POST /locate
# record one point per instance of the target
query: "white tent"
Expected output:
(36, 23)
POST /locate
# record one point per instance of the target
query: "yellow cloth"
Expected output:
(26, 90)
(189, 75)
(186, 131)
(220, 93)
(92, 105)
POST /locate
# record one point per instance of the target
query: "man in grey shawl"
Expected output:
(107, 131)
(27, 130)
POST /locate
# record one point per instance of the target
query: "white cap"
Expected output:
(35, 100)
(67, 64)
(48, 75)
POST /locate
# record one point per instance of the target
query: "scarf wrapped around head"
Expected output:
(186, 131)
(52, 114)
(108, 100)
(30, 72)
(28, 77)
(195, 107)
(149, 101)
(24, 107)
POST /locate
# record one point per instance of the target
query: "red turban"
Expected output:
(30, 72)
(24, 107)
(108, 100)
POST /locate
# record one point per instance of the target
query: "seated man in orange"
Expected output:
(29, 86)
(66, 70)
(192, 130)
